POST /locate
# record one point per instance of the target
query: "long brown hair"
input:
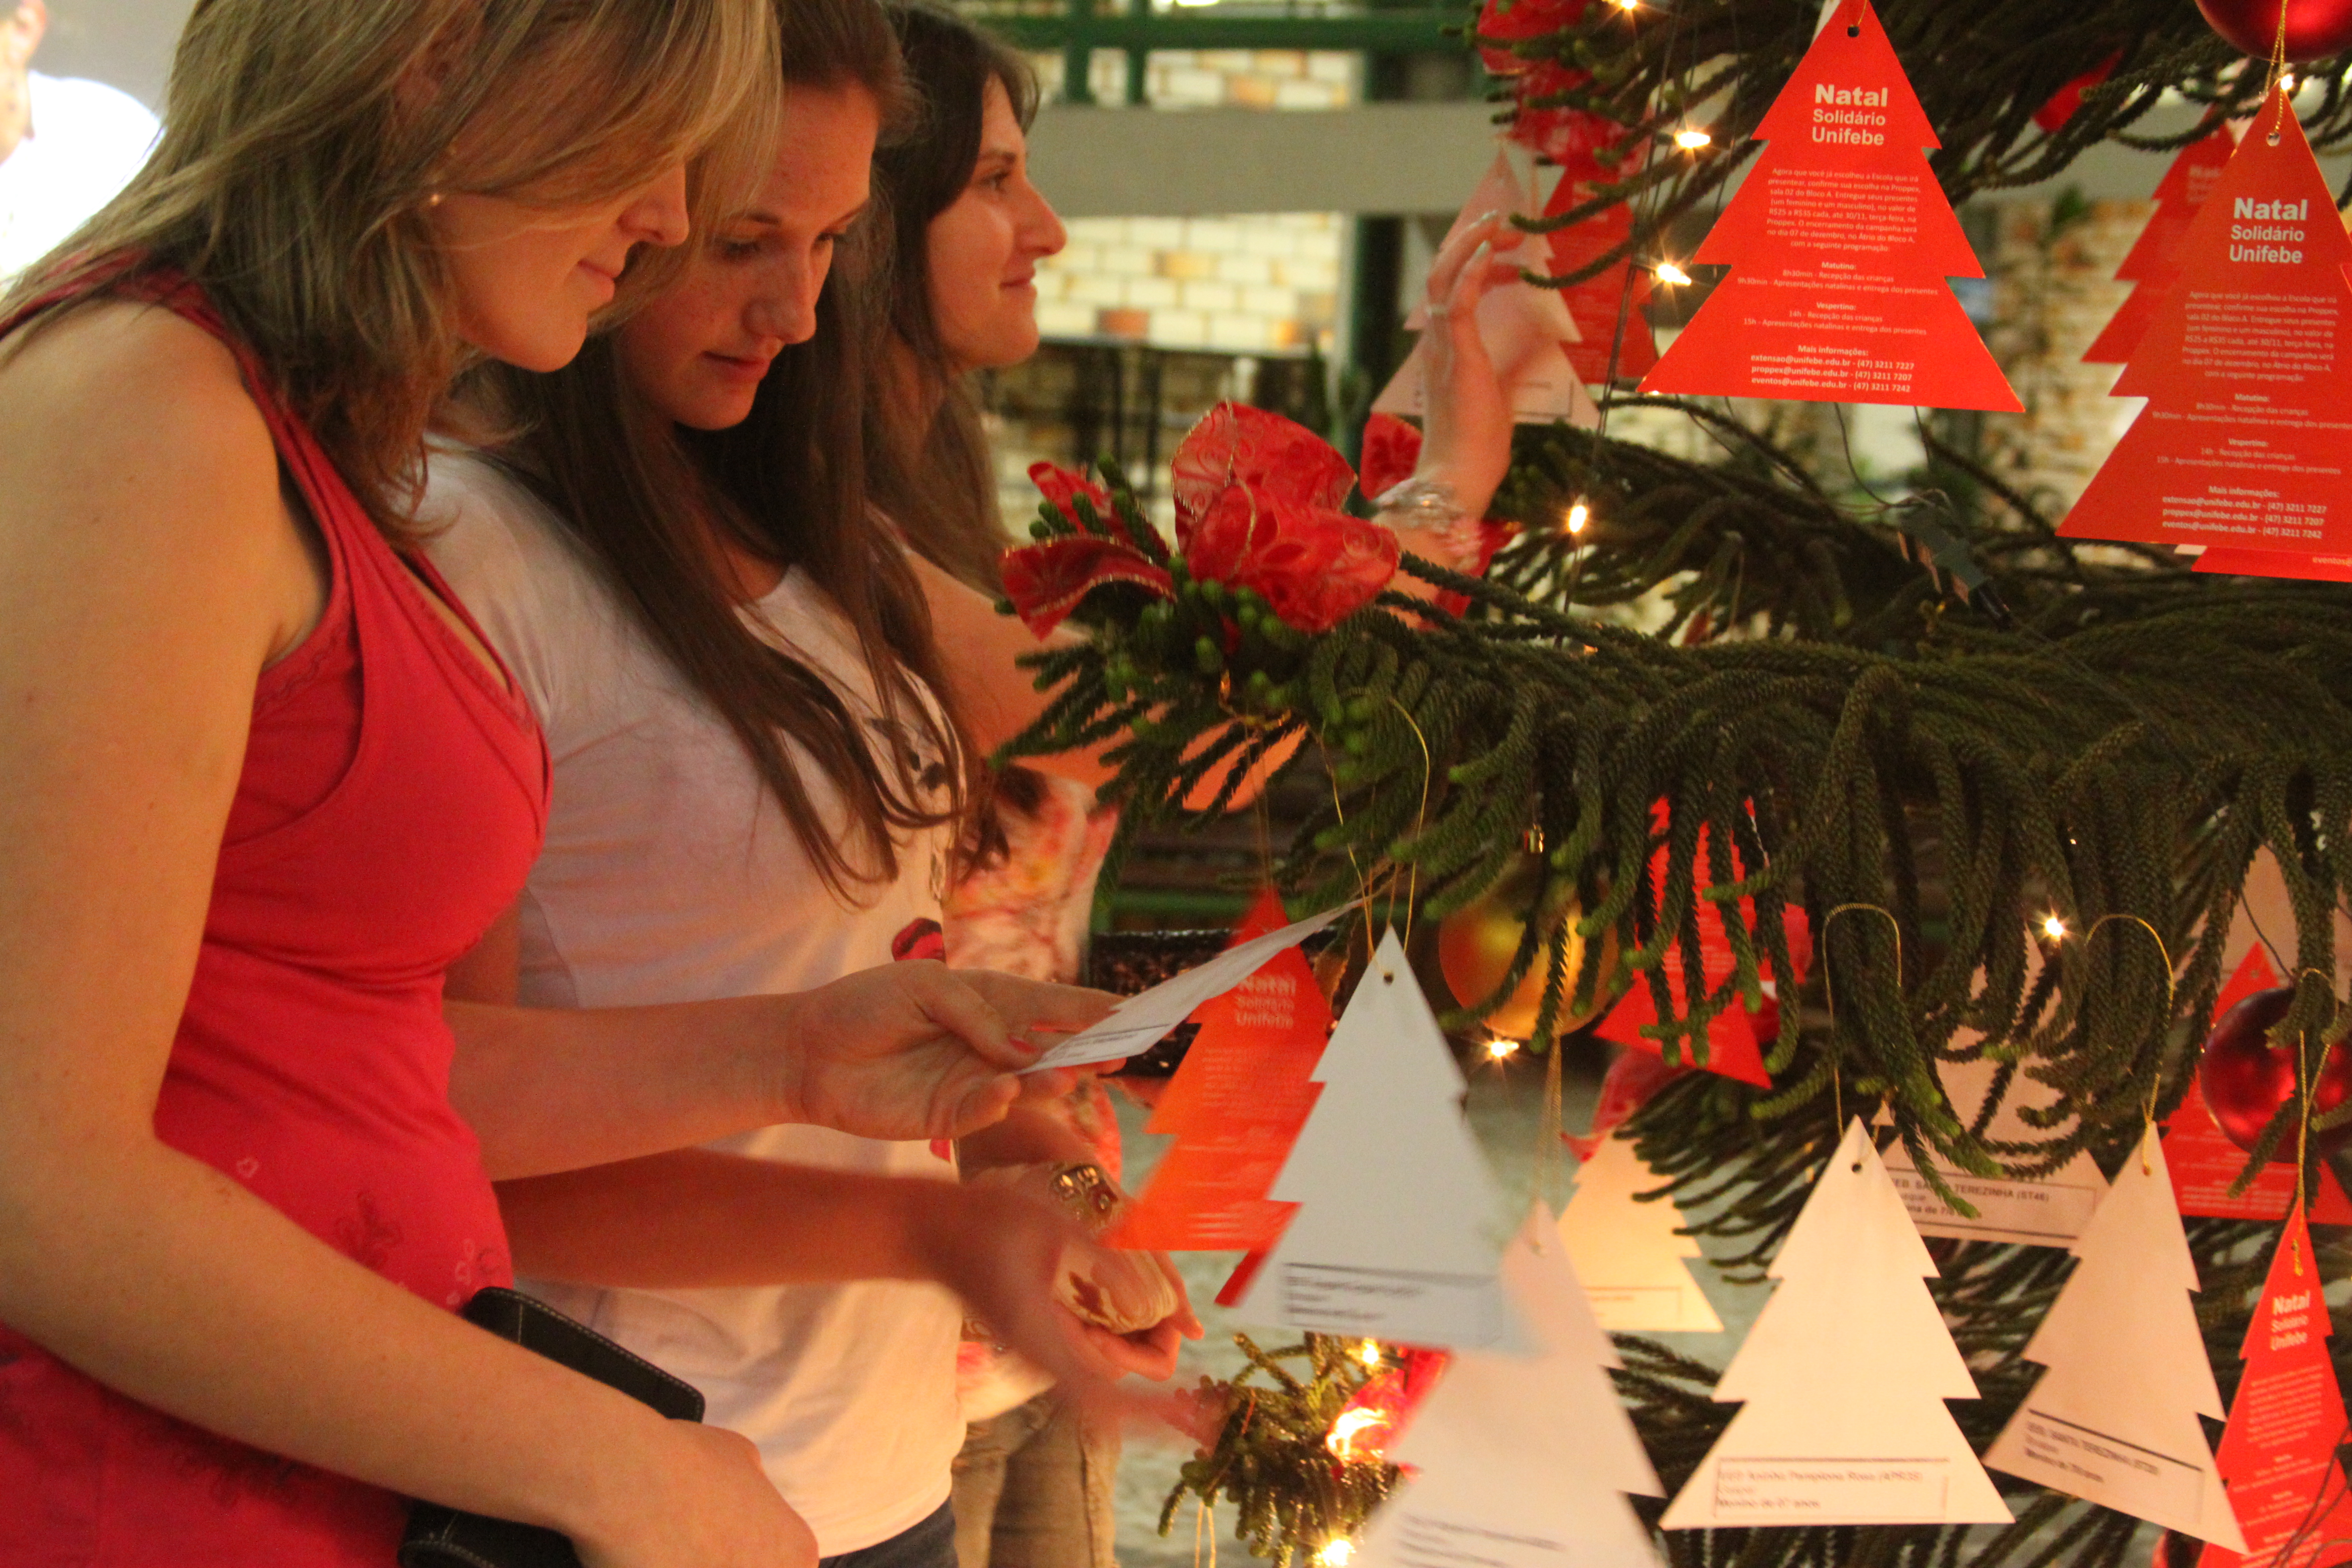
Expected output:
(789, 485)
(937, 481)
(303, 140)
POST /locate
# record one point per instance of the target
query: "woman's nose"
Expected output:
(1042, 225)
(658, 213)
(786, 310)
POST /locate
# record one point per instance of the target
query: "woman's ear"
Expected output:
(420, 86)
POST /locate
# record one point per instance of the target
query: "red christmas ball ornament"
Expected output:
(2245, 1079)
(2314, 28)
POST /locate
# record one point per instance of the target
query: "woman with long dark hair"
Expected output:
(1035, 1482)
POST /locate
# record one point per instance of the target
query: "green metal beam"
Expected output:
(1384, 31)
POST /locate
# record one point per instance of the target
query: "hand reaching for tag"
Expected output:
(917, 1050)
(1466, 441)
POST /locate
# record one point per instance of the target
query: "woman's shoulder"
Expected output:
(123, 371)
(491, 535)
(128, 435)
(515, 567)
(468, 492)
(114, 388)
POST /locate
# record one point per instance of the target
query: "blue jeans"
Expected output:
(930, 1544)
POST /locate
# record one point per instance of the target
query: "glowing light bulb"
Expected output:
(1692, 139)
(1667, 272)
(1342, 1442)
(1500, 1049)
(1336, 1552)
(1578, 516)
(1628, 5)
(2053, 928)
(2286, 83)
(1369, 1353)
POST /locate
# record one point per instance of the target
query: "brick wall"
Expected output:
(2053, 271)
(1245, 284)
(1249, 284)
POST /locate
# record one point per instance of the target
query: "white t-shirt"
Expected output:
(87, 140)
(670, 874)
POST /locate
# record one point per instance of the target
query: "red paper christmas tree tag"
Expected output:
(1736, 1038)
(2278, 1452)
(1840, 244)
(2067, 100)
(2245, 368)
(1234, 1107)
(1601, 302)
(2153, 263)
(2204, 1162)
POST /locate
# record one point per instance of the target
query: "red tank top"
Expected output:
(393, 799)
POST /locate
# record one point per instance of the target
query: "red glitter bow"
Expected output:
(1257, 507)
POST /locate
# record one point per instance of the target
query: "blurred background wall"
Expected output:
(122, 43)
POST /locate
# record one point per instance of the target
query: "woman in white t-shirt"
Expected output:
(755, 790)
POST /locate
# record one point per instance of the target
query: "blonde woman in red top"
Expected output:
(261, 781)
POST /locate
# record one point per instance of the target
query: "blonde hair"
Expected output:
(304, 140)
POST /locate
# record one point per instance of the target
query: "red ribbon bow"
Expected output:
(1046, 581)
(1257, 507)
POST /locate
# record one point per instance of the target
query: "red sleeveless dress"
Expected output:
(393, 799)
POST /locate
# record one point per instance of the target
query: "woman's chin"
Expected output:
(717, 412)
(540, 347)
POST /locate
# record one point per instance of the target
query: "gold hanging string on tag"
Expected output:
(1550, 1132)
(1829, 994)
(2303, 1072)
(2278, 72)
(1421, 819)
(1419, 822)
(1363, 883)
(2156, 1078)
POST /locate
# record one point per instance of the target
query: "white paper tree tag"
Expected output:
(1843, 1378)
(1524, 1462)
(1522, 326)
(1396, 1236)
(2113, 1420)
(1626, 1251)
(1137, 1024)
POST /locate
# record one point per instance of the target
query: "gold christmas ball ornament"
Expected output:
(1477, 944)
